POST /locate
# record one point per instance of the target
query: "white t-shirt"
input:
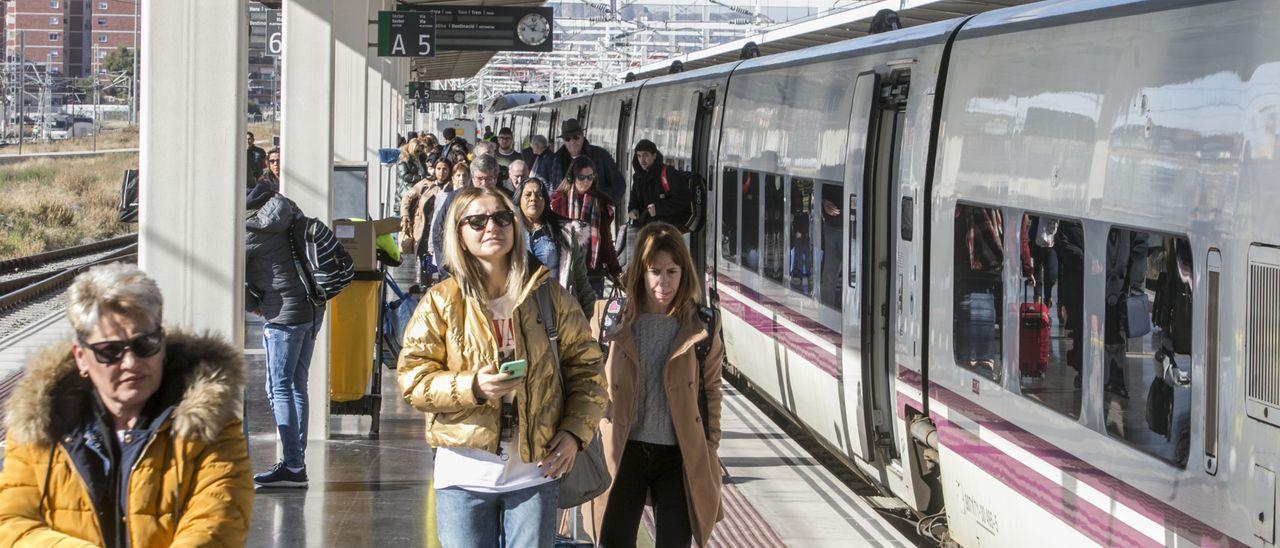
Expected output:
(480, 470)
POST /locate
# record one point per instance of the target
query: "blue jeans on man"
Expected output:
(288, 350)
(524, 518)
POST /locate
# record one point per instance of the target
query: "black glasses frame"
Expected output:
(477, 222)
(112, 352)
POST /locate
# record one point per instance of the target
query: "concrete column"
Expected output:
(192, 161)
(350, 63)
(306, 151)
(375, 121)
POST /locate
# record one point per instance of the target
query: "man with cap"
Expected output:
(608, 178)
(658, 192)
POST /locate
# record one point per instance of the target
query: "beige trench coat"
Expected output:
(701, 464)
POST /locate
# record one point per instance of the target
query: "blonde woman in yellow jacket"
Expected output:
(502, 439)
(126, 404)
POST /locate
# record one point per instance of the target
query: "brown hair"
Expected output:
(656, 237)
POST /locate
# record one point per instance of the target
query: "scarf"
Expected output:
(587, 209)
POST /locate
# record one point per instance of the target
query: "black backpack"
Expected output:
(697, 218)
(323, 264)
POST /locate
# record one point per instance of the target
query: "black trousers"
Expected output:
(658, 472)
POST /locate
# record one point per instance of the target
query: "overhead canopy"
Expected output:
(825, 29)
(445, 65)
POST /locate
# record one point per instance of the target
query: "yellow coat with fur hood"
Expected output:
(191, 486)
(450, 337)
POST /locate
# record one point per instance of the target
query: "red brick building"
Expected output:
(113, 24)
(67, 35)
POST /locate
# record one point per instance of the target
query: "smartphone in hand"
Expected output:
(514, 368)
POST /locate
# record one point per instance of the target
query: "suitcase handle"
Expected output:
(1025, 298)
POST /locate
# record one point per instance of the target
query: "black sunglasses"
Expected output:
(111, 352)
(587, 177)
(478, 222)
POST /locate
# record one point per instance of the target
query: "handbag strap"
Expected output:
(547, 312)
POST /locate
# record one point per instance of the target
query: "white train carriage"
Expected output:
(1022, 270)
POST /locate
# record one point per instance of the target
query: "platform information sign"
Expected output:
(419, 92)
(490, 28)
(406, 34)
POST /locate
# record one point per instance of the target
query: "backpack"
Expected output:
(323, 264)
(697, 218)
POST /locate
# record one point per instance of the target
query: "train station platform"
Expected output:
(368, 491)
(373, 491)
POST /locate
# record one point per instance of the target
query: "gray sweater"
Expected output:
(653, 333)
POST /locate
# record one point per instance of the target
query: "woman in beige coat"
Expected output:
(661, 428)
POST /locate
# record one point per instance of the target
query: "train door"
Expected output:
(553, 130)
(624, 132)
(868, 349)
(701, 158)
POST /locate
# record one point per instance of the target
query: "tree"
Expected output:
(120, 60)
(83, 87)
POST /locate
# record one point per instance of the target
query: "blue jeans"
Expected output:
(288, 361)
(976, 327)
(524, 518)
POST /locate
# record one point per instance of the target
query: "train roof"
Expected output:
(1052, 13)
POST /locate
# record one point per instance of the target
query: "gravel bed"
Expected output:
(12, 321)
(58, 265)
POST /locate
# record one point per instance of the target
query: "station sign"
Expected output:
(406, 34)
(489, 28)
(423, 95)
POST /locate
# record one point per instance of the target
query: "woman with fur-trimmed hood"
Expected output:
(129, 435)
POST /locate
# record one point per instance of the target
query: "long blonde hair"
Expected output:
(652, 239)
(464, 266)
(411, 150)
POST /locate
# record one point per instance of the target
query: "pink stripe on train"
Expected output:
(987, 457)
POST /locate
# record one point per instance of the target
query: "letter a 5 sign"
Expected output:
(406, 34)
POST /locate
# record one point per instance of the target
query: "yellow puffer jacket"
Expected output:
(191, 486)
(450, 337)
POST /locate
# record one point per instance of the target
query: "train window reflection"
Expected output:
(979, 266)
(1050, 313)
(1147, 342)
(751, 221)
(775, 211)
(729, 215)
(800, 247)
(831, 253)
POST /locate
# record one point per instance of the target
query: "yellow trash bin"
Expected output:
(353, 321)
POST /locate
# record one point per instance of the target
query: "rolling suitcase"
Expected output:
(1033, 337)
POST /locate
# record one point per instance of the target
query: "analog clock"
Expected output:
(533, 29)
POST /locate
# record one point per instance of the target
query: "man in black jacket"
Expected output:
(608, 177)
(256, 158)
(658, 192)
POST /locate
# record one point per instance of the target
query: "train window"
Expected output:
(800, 247)
(751, 221)
(775, 211)
(729, 215)
(831, 253)
(1147, 342)
(978, 301)
(1051, 312)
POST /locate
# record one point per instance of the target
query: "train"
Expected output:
(1021, 270)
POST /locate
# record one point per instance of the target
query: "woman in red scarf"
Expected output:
(591, 215)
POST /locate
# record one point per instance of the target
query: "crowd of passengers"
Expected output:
(131, 434)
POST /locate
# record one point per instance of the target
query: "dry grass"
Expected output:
(126, 137)
(51, 203)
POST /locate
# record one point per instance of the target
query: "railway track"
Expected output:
(16, 291)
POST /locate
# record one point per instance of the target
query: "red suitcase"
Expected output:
(1033, 338)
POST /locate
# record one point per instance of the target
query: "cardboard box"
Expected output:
(359, 238)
